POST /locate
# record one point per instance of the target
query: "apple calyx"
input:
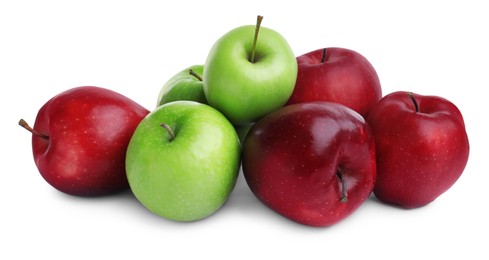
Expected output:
(323, 58)
(411, 96)
(169, 130)
(193, 73)
(26, 126)
(259, 18)
(344, 197)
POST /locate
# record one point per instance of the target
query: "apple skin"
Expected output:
(342, 76)
(291, 160)
(183, 86)
(420, 155)
(89, 129)
(244, 91)
(191, 176)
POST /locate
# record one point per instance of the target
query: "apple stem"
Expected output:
(416, 106)
(323, 58)
(259, 18)
(193, 73)
(26, 126)
(343, 198)
(169, 130)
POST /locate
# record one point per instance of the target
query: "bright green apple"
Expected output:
(183, 160)
(185, 85)
(249, 72)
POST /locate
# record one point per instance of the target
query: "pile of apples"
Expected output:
(314, 135)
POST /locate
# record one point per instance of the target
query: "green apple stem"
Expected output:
(343, 198)
(169, 130)
(193, 73)
(26, 126)
(323, 58)
(259, 18)
(416, 106)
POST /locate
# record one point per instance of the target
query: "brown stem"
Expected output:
(416, 106)
(193, 73)
(259, 18)
(323, 58)
(344, 197)
(169, 130)
(26, 126)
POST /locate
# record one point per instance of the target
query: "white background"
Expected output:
(133, 47)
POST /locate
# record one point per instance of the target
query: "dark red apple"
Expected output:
(337, 75)
(80, 138)
(313, 163)
(422, 147)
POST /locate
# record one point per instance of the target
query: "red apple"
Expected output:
(313, 163)
(337, 75)
(80, 138)
(422, 147)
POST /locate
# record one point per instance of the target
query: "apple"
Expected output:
(80, 138)
(183, 160)
(422, 147)
(313, 163)
(185, 85)
(246, 76)
(337, 75)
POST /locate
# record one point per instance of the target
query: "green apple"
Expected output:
(183, 160)
(249, 72)
(185, 85)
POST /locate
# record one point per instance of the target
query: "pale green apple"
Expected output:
(185, 85)
(243, 89)
(183, 160)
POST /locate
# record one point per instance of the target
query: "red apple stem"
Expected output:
(416, 106)
(193, 73)
(323, 58)
(344, 197)
(26, 126)
(169, 130)
(259, 18)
